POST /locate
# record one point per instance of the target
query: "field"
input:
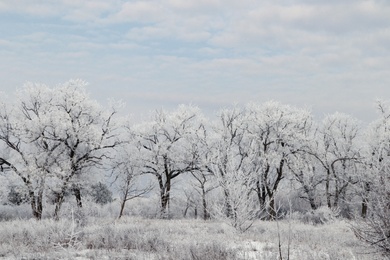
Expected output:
(141, 238)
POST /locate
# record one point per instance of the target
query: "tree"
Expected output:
(85, 134)
(306, 171)
(203, 185)
(279, 132)
(22, 127)
(375, 228)
(230, 162)
(202, 181)
(337, 151)
(166, 148)
(240, 209)
(55, 135)
(126, 166)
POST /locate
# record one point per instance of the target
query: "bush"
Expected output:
(9, 212)
(320, 216)
(17, 195)
(375, 229)
(101, 194)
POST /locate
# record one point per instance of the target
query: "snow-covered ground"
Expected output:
(138, 238)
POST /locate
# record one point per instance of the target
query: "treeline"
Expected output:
(57, 141)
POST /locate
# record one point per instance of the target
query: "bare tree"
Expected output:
(126, 170)
(166, 149)
(203, 185)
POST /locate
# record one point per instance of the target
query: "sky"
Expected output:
(324, 55)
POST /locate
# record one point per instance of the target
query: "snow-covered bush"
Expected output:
(322, 215)
(10, 212)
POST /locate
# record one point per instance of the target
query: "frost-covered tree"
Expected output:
(166, 148)
(308, 174)
(126, 170)
(278, 132)
(55, 135)
(202, 182)
(337, 150)
(240, 205)
(375, 228)
(22, 131)
(230, 162)
(85, 133)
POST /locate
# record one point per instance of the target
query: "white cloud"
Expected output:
(148, 33)
(140, 12)
(306, 51)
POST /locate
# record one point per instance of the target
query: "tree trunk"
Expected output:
(40, 203)
(125, 196)
(310, 196)
(228, 206)
(204, 205)
(327, 190)
(122, 209)
(272, 190)
(186, 210)
(364, 208)
(261, 194)
(365, 200)
(123, 203)
(336, 195)
(77, 194)
(164, 193)
(272, 210)
(59, 200)
(36, 209)
(312, 203)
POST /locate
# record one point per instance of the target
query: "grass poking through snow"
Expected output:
(137, 238)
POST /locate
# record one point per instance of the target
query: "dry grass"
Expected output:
(137, 238)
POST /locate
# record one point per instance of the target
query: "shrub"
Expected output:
(101, 194)
(375, 229)
(321, 215)
(17, 195)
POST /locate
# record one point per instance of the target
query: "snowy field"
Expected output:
(138, 238)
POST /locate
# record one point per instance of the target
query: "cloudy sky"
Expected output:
(327, 55)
